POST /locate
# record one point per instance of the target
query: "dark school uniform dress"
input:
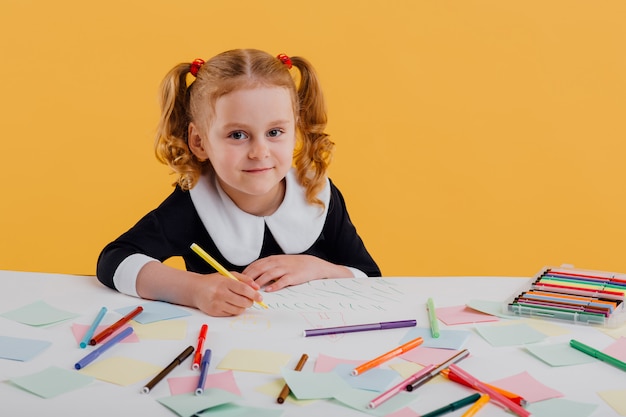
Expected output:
(205, 215)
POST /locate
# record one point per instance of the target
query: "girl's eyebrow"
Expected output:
(241, 125)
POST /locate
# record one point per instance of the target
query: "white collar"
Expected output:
(295, 225)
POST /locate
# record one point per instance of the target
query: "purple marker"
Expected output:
(360, 328)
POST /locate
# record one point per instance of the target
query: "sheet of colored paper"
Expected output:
(559, 354)
(79, 330)
(314, 385)
(186, 405)
(234, 410)
(252, 360)
(426, 356)
(359, 399)
(52, 381)
(493, 308)
(462, 315)
(615, 398)
(20, 349)
(561, 407)
(510, 335)
(617, 349)
(273, 389)
(120, 371)
(529, 388)
(546, 327)
(615, 333)
(38, 313)
(325, 363)
(186, 384)
(376, 379)
(155, 311)
(448, 339)
(404, 412)
(405, 368)
(162, 330)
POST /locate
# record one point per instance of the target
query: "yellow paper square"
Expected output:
(162, 330)
(274, 388)
(254, 361)
(406, 368)
(616, 399)
(120, 371)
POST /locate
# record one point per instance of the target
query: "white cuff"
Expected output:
(125, 277)
(357, 272)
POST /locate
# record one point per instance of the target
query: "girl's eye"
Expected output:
(238, 135)
(274, 133)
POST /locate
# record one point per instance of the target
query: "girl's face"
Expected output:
(250, 143)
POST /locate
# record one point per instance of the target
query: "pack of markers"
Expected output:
(575, 295)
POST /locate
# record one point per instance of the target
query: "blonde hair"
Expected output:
(229, 71)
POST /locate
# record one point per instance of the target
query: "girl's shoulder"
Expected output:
(178, 201)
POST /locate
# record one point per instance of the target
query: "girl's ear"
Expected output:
(194, 141)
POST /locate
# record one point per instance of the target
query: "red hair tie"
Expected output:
(195, 66)
(285, 60)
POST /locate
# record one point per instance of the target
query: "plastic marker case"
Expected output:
(579, 296)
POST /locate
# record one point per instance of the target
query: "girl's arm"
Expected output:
(212, 293)
(280, 271)
(338, 253)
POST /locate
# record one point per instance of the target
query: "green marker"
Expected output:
(453, 406)
(432, 318)
(597, 354)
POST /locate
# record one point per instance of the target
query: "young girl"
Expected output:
(251, 156)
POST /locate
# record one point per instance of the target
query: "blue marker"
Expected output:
(94, 355)
(87, 337)
(204, 368)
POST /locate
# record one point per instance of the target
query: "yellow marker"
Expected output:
(219, 268)
(484, 399)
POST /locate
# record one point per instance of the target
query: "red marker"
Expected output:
(112, 328)
(198, 356)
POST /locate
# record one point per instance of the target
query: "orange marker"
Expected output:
(385, 357)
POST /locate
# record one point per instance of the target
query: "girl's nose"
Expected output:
(258, 149)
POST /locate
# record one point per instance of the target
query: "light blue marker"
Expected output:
(204, 368)
(94, 355)
(87, 337)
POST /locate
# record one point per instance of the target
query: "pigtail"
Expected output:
(314, 154)
(171, 137)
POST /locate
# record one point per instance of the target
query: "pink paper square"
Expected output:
(527, 387)
(426, 356)
(326, 363)
(617, 349)
(462, 315)
(188, 384)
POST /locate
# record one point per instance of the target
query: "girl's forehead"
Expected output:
(260, 93)
(259, 99)
(259, 105)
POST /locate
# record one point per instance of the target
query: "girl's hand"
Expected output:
(217, 295)
(281, 271)
(213, 294)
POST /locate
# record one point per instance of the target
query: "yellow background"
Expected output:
(473, 137)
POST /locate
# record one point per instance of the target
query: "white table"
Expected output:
(280, 328)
